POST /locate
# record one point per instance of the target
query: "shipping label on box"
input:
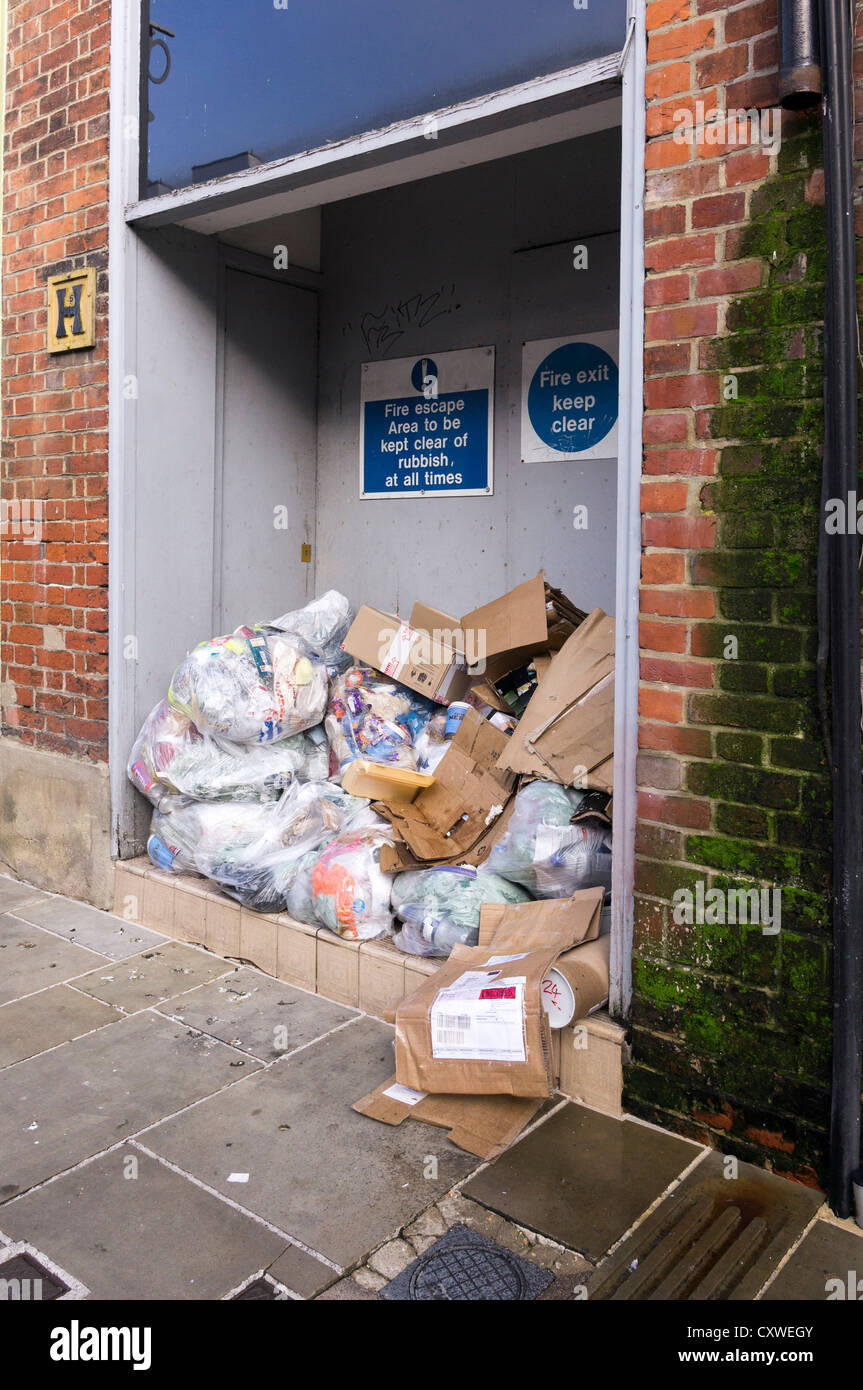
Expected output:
(478, 1020)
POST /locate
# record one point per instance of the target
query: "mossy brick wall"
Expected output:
(731, 1026)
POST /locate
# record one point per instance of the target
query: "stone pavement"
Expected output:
(179, 1126)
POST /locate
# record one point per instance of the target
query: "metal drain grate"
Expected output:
(22, 1278)
(686, 1252)
(260, 1290)
(464, 1266)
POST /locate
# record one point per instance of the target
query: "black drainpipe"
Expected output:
(841, 470)
(815, 47)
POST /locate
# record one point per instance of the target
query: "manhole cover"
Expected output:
(464, 1266)
(23, 1278)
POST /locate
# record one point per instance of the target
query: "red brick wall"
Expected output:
(732, 1027)
(53, 595)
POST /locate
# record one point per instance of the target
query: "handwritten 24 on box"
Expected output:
(413, 444)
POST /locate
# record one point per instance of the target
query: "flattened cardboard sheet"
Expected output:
(481, 1125)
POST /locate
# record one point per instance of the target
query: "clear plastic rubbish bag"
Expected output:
(545, 852)
(323, 624)
(171, 755)
(351, 891)
(260, 872)
(440, 907)
(431, 743)
(181, 830)
(371, 716)
(251, 687)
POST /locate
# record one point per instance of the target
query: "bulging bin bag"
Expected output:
(251, 687)
(371, 716)
(352, 892)
(259, 873)
(171, 755)
(182, 832)
(323, 624)
(440, 907)
(545, 852)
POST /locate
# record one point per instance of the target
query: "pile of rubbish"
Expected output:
(361, 773)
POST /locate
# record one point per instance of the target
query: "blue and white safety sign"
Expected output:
(569, 399)
(427, 425)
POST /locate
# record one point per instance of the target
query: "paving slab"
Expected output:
(258, 1014)
(54, 1016)
(14, 894)
(301, 1272)
(336, 1180)
(129, 1228)
(87, 926)
(161, 973)
(582, 1178)
(32, 959)
(67, 1105)
(827, 1266)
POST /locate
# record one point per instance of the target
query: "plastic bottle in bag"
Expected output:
(441, 906)
(543, 850)
(182, 831)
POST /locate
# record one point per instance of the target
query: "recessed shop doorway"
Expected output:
(248, 372)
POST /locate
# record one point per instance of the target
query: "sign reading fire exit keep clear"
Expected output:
(426, 425)
(569, 399)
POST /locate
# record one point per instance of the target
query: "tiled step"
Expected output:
(368, 975)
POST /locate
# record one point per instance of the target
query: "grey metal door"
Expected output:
(267, 457)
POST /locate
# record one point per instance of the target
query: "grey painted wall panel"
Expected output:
(457, 261)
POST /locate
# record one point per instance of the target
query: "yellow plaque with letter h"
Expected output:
(72, 310)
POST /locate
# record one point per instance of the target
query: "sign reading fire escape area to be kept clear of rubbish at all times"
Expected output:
(569, 399)
(426, 425)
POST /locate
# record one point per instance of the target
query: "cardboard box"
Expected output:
(409, 655)
(569, 723)
(383, 781)
(560, 922)
(482, 1125)
(478, 1026)
(531, 619)
(452, 819)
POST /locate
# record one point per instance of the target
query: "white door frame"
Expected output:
(354, 165)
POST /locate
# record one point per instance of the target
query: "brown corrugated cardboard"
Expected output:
(437, 1044)
(569, 723)
(477, 1027)
(558, 922)
(482, 1125)
(470, 792)
(499, 636)
(398, 856)
(416, 658)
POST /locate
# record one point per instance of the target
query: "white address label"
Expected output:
(480, 1021)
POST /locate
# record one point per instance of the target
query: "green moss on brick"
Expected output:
(762, 862)
(740, 748)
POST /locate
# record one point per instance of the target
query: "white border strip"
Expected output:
(376, 146)
(628, 509)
